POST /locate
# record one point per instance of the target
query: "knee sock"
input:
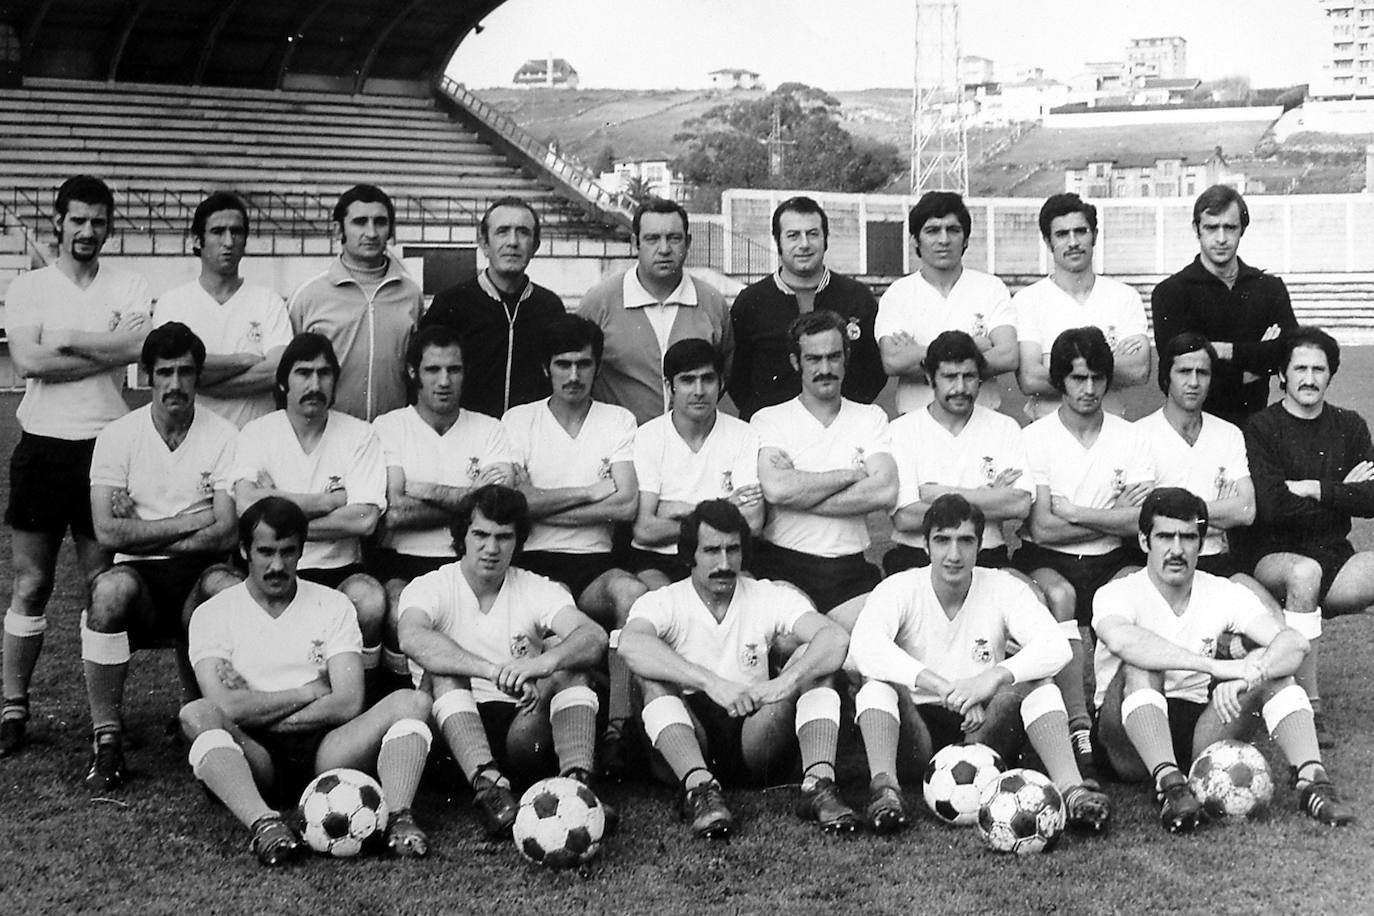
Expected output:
(670, 730)
(1047, 729)
(461, 726)
(1145, 715)
(1310, 626)
(879, 719)
(572, 715)
(218, 761)
(105, 658)
(1070, 680)
(818, 732)
(401, 761)
(618, 696)
(23, 642)
(1288, 718)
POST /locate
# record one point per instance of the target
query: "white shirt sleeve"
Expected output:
(649, 461)
(110, 459)
(873, 648)
(1044, 649)
(365, 479)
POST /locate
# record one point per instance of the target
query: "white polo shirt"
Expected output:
(976, 304)
(48, 300)
(348, 452)
(454, 459)
(1092, 477)
(1207, 468)
(554, 459)
(668, 468)
(926, 452)
(516, 626)
(253, 320)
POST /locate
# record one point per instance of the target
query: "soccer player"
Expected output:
(160, 501)
(700, 648)
(1240, 308)
(365, 304)
(1163, 696)
(944, 295)
(328, 463)
(931, 645)
(825, 462)
(1074, 296)
(955, 445)
(648, 308)
(762, 374)
(505, 654)
(277, 659)
(244, 325)
(1313, 468)
(500, 313)
(1091, 472)
(73, 326)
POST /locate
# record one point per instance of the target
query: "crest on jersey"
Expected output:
(1110, 334)
(317, 652)
(988, 468)
(1221, 481)
(982, 652)
(859, 457)
(604, 472)
(206, 485)
(979, 325)
(1118, 480)
(749, 655)
(852, 329)
(335, 483)
(1209, 647)
(727, 482)
(519, 646)
(474, 468)
(114, 319)
(255, 332)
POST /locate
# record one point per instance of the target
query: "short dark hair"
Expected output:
(817, 322)
(953, 347)
(1172, 502)
(951, 510)
(1214, 202)
(431, 335)
(937, 205)
(658, 205)
(507, 201)
(691, 353)
(364, 194)
(804, 205)
(285, 518)
(570, 333)
(1057, 205)
(499, 504)
(215, 203)
(720, 514)
(168, 341)
(304, 346)
(1088, 344)
(1182, 345)
(86, 189)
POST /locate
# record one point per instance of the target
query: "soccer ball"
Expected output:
(560, 823)
(1022, 812)
(1231, 779)
(342, 808)
(955, 779)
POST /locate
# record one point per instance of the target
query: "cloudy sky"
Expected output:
(856, 44)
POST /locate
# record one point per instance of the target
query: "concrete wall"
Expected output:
(1091, 118)
(1344, 117)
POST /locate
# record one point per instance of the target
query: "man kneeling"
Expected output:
(700, 649)
(1163, 696)
(279, 661)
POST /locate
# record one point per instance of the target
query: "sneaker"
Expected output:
(886, 812)
(611, 761)
(495, 802)
(274, 842)
(404, 837)
(610, 811)
(106, 771)
(14, 724)
(821, 803)
(1319, 801)
(704, 806)
(1325, 739)
(1179, 810)
(1082, 744)
(1088, 808)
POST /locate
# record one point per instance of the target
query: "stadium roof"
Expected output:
(344, 45)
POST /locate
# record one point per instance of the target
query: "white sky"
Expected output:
(857, 44)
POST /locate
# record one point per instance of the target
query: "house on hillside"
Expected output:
(649, 176)
(1159, 91)
(1028, 100)
(734, 78)
(547, 72)
(1159, 176)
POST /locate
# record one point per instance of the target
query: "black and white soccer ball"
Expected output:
(1021, 812)
(342, 808)
(955, 778)
(1231, 778)
(560, 823)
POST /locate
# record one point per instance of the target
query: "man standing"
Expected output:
(1074, 296)
(500, 313)
(160, 501)
(825, 462)
(365, 304)
(944, 295)
(73, 327)
(648, 308)
(763, 375)
(244, 326)
(1239, 308)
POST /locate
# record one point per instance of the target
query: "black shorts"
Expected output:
(575, 570)
(827, 581)
(724, 739)
(332, 577)
(1086, 573)
(945, 727)
(386, 565)
(638, 560)
(167, 583)
(293, 760)
(1183, 719)
(904, 557)
(50, 486)
(1218, 564)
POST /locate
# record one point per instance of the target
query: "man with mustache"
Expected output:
(1313, 468)
(1163, 695)
(645, 310)
(1091, 472)
(712, 707)
(73, 328)
(1240, 308)
(365, 304)
(160, 500)
(244, 325)
(330, 465)
(500, 313)
(1074, 296)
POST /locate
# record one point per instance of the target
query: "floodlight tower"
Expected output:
(939, 143)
